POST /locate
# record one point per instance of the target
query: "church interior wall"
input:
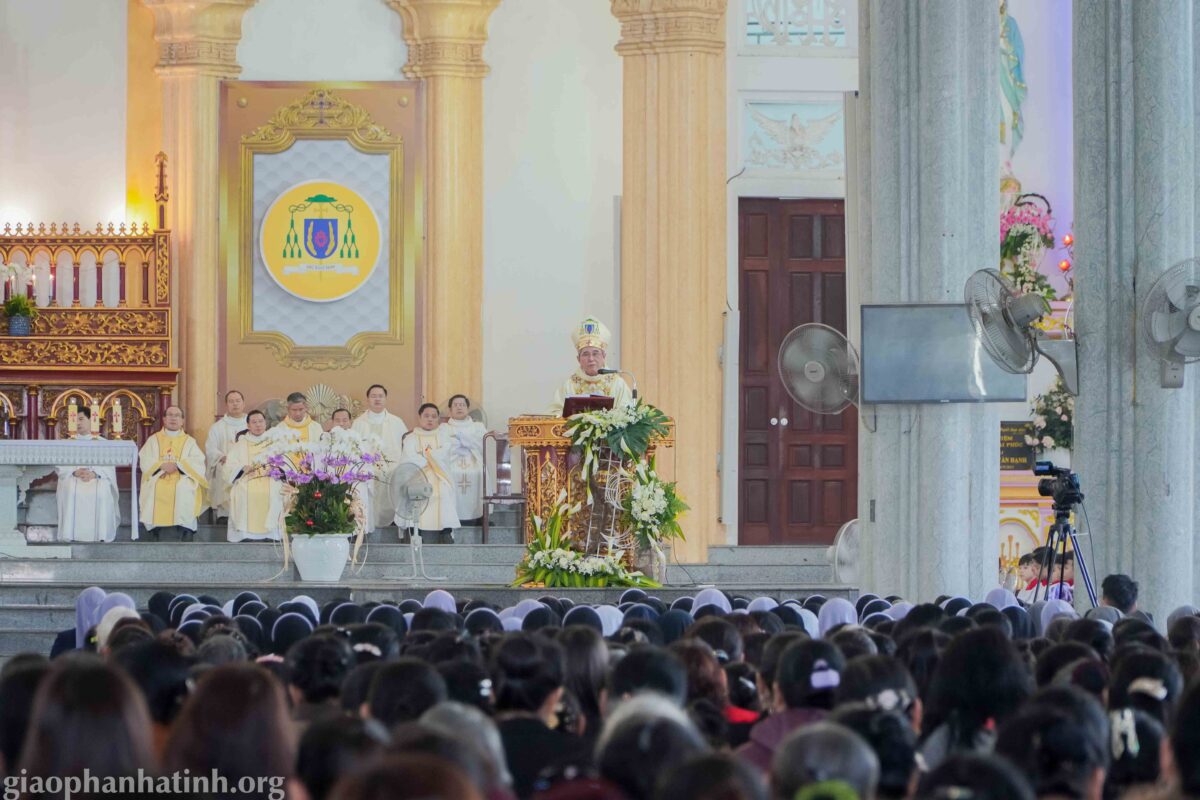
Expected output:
(62, 128)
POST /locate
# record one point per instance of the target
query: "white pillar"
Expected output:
(1135, 206)
(928, 195)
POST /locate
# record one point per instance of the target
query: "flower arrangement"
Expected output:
(1026, 232)
(651, 508)
(19, 306)
(626, 430)
(321, 477)
(551, 561)
(1053, 423)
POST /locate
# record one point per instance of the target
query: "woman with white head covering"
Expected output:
(1053, 610)
(441, 600)
(836, 611)
(762, 604)
(812, 626)
(1001, 598)
(712, 597)
(610, 619)
(86, 604)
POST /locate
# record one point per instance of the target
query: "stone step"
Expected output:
(471, 534)
(771, 554)
(244, 552)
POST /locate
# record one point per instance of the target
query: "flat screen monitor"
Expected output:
(928, 353)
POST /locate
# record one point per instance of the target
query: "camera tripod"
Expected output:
(1060, 532)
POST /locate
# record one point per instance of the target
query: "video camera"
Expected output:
(1063, 485)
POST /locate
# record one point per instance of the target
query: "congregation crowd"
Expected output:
(712, 696)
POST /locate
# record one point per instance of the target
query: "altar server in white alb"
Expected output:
(174, 491)
(220, 438)
(255, 501)
(377, 421)
(298, 424)
(429, 447)
(591, 340)
(466, 458)
(89, 508)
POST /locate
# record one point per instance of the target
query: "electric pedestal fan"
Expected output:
(410, 493)
(1003, 321)
(819, 368)
(1171, 320)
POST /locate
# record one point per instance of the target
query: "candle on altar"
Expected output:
(72, 417)
(117, 419)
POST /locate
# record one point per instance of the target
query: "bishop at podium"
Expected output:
(591, 340)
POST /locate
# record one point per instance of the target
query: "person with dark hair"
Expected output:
(707, 681)
(1119, 592)
(769, 662)
(357, 686)
(89, 506)
(298, 424)
(254, 499)
(805, 682)
(1148, 681)
(645, 668)
(980, 680)
(18, 688)
(403, 690)
(171, 494)
(1184, 633)
(646, 735)
(411, 738)
(1058, 656)
(529, 674)
(711, 776)
(431, 448)
(221, 436)
(468, 683)
(1056, 751)
(854, 642)
(433, 619)
(333, 747)
(466, 458)
(162, 674)
(881, 682)
(406, 777)
(974, 776)
(235, 724)
(219, 649)
(824, 753)
(316, 668)
(389, 429)
(1136, 752)
(719, 634)
(87, 717)
(340, 418)
(1185, 744)
(891, 736)
(1094, 633)
(586, 665)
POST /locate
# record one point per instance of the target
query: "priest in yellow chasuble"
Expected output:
(377, 421)
(255, 501)
(173, 489)
(429, 447)
(591, 340)
(298, 424)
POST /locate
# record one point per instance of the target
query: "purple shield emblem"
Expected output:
(320, 236)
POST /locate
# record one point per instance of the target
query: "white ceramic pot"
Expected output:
(321, 557)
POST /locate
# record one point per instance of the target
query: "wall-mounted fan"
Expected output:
(410, 493)
(1171, 320)
(819, 368)
(843, 554)
(1003, 320)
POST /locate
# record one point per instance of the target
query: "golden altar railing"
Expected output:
(549, 466)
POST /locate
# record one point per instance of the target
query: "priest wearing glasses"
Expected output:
(591, 340)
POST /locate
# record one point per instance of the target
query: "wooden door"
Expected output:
(799, 470)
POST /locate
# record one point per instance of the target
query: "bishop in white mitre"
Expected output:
(591, 340)
(377, 421)
(174, 491)
(298, 424)
(466, 458)
(89, 507)
(255, 500)
(429, 447)
(220, 437)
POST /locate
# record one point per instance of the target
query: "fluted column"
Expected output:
(197, 49)
(928, 194)
(673, 233)
(1136, 446)
(445, 41)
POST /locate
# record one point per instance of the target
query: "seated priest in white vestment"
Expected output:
(340, 418)
(255, 500)
(389, 429)
(298, 423)
(466, 458)
(174, 490)
(216, 445)
(429, 447)
(591, 340)
(89, 508)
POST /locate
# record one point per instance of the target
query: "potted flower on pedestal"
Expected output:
(651, 510)
(1053, 425)
(323, 509)
(19, 311)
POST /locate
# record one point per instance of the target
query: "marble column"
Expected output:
(1135, 123)
(445, 41)
(197, 49)
(673, 234)
(928, 216)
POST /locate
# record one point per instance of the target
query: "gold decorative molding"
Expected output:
(321, 109)
(321, 114)
(445, 37)
(198, 36)
(54, 353)
(102, 322)
(661, 26)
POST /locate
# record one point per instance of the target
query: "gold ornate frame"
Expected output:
(322, 114)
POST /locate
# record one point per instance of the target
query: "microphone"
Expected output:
(621, 372)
